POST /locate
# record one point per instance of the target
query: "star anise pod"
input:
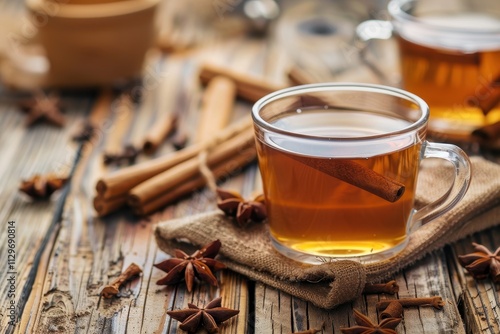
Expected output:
(365, 326)
(43, 107)
(482, 262)
(208, 317)
(128, 155)
(234, 205)
(42, 186)
(200, 264)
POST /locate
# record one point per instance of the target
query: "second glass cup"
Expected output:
(339, 164)
(450, 57)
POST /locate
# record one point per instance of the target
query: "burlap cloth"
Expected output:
(248, 250)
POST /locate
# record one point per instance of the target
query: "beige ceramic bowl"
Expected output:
(94, 43)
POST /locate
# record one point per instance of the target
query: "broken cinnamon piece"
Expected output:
(393, 310)
(390, 287)
(42, 186)
(248, 87)
(113, 288)
(436, 302)
(217, 106)
(357, 175)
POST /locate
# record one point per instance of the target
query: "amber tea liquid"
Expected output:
(454, 83)
(314, 213)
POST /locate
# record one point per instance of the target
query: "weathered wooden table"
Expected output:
(64, 253)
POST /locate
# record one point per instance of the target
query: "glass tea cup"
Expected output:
(450, 57)
(339, 165)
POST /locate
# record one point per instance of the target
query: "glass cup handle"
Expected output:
(462, 177)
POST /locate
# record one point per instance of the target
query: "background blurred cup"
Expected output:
(450, 56)
(94, 42)
(339, 165)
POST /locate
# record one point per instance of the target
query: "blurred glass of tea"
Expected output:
(450, 56)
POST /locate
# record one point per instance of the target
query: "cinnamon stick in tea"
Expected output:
(157, 185)
(247, 87)
(357, 175)
(219, 171)
(123, 180)
(217, 106)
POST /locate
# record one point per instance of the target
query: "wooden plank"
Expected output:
(100, 249)
(478, 299)
(272, 310)
(429, 277)
(26, 151)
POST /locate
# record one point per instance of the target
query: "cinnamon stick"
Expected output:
(101, 108)
(390, 287)
(393, 310)
(105, 206)
(165, 122)
(113, 288)
(247, 87)
(183, 172)
(221, 170)
(218, 103)
(357, 175)
(123, 180)
(298, 76)
(184, 104)
(157, 134)
(437, 302)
